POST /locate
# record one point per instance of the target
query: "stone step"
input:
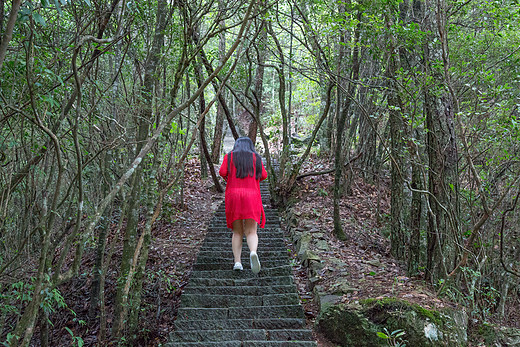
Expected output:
(223, 225)
(218, 282)
(224, 301)
(223, 233)
(249, 312)
(210, 242)
(218, 335)
(269, 219)
(241, 335)
(225, 264)
(272, 323)
(227, 253)
(243, 290)
(224, 228)
(271, 212)
(273, 271)
(245, 344)
(281, 258)
(265, 243)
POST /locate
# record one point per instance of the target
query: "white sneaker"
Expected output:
(255, 262)
(238, 266)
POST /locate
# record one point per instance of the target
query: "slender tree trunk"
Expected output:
(219, 121)
(341, 120)
(259, 82)
(397, 228)
(100, 249)
(8, 33)
(442, 251)
(205, 157)
(130, 238)
(414, 251)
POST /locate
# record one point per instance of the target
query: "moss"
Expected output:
(432, 315)
(343, 324)
(376, 305)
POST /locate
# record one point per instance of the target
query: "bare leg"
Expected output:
(250, 227)
(236, 241)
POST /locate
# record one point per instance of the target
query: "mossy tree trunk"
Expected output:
(134, 203)
(341, 118)
(443, 230)
(219, 120)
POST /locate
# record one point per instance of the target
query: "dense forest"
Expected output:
(103, 104)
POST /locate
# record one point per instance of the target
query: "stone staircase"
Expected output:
(226, 308)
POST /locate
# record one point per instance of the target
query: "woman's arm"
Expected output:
(264, 173)
(223, 168)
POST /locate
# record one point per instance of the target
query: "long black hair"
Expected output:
(243, 152)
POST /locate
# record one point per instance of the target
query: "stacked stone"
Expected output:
(226, 308)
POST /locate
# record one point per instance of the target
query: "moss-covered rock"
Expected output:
(346, 325)
(357, 325)
(493, 335)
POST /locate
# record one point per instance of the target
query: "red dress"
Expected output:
(243, 200)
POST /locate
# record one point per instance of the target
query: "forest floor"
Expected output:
(368, 267)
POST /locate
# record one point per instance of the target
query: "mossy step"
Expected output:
(217, 238)
(223, 228)
(226, 264)
(223, 301)
(243, 290)
(217, 242)
(245, 343)
(267, 281)
(264, 244)
(222, 224)
(205, 344)
(269, 219)
(250, 312)
(225, 234)
(281, 259)
(268, 211)
(218, 335)
(273, 271)
(241, 335)
(279, 344)
(227, 252)
(276, 323)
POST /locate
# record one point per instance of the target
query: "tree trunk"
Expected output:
(204, 153)
(143, 122)
(219, 121)
(340, 123)
(414, 251)
(398, 239)
(442, 252)
(259, 82)
(8, 33)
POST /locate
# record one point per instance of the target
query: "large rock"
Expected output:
(357, 325)
(498, 336)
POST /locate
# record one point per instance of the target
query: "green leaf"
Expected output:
(382, 335)
(372, 273)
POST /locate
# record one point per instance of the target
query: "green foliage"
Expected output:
(76, 340)
(394, 338)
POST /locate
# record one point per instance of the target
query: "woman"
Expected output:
(243, 170)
